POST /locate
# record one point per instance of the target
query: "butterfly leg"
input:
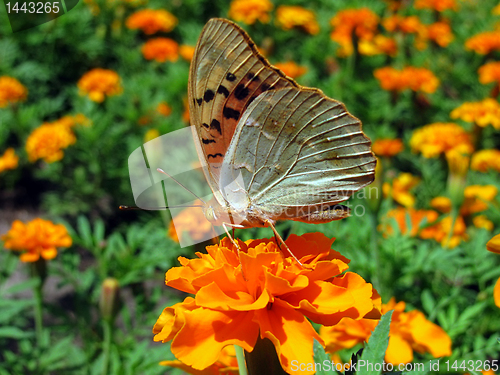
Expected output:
(277, 235)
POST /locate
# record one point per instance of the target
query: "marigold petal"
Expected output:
(428, 336)
(493, 245)
(398, 351)
(29, 257)
(211, 296)
(496, 293)
(49, 253)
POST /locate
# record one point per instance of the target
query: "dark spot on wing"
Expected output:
(199, 101)
(223, 90)
(241, 92)
(253, 77)
(205, 125)
(209, 95)
(207, 141)
(230, 77)
(215, 125)
(231, 113)
(214, 155)
(265, 87)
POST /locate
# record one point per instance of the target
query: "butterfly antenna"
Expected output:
(182, 186)
(130, 208)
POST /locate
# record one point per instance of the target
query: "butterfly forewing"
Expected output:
(296, 148)
(227, 73)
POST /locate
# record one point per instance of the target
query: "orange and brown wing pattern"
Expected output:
(227, 73)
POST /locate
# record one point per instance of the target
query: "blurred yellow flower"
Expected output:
(160, 49)
(481, 221)
(442, 204)
(484, 43)
(413, 78)
(440, 33)
(458, 159)
(400, 189)
(186, 52)
(496, 10)
(409, 331)
(483, 113)
(490, 72)
(387, 147)
(361, 23)
(485, 160)
(151, 21)
(435, 139)
(151, 134)
(99, 83)
(476, 200)
(8, 160)
(38, 238)
(439, 5)
(289, 17)
(380, 44)
(249, 11)
(291, 69)
(493, 245)
(11, 91)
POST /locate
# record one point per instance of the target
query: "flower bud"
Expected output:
(109, 299)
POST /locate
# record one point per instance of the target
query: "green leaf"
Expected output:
(14, 333)
(322, 358)
(85, 232)
(372, 357)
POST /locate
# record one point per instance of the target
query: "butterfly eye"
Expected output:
(210, 214)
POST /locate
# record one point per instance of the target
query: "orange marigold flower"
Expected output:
(416, 79)
(38, 238)
(481, 221)
(490, 72)
(485, 160)
(249, 11)
(435, 139)
(380, 44)
(442, 204)
(477, 198)
(259, 291)
(400, 189)
(186, 52)
(191, 221)
(99, 83)
(361, 22)
(289, 17)
(11, 91)
(493, 245)
(483, 113)
(161, 49)
(291, 69)
(8, 160)
(440, 33)
(151, 21)
(408, 25)
(484, 43)
(227, 364)
(440, 232)
(409, 331)
(164, 109)
(387, 147)
(439, 5)
(47, 141)
(417, 219)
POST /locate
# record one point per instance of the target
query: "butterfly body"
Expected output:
(274, 150)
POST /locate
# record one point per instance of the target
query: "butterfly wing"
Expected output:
(227, 73)
(296, 152)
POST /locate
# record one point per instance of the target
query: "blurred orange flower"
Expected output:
(439, 5)
(47, 141)
(346, 23)
(440, 33)
(227, 364)
(151, 21)
(99, 83)
(192, 221)
(493, 245)
(289, 17)
(416, 79)
(11, 91)
(417, 219)
(409, 25)
(409, 331)
(186, 52)
(387, 147)
(400, 189)
(440, 232)
(291, 69)
(259, 291)
(476, 200)
(485, 160)
(483, 113)
(38, 238)
(249, 11)
(435, 139)
(8, 160)
(484, 43)
(160, 49)
(164, 109)
(490, 72)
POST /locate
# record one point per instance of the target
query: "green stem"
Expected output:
(39, 312)
(106, 345)
(454, 215)
(240, 356)
(375, 252)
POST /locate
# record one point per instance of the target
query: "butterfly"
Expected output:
(275, 150)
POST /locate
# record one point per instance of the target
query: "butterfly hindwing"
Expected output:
(227, 73)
